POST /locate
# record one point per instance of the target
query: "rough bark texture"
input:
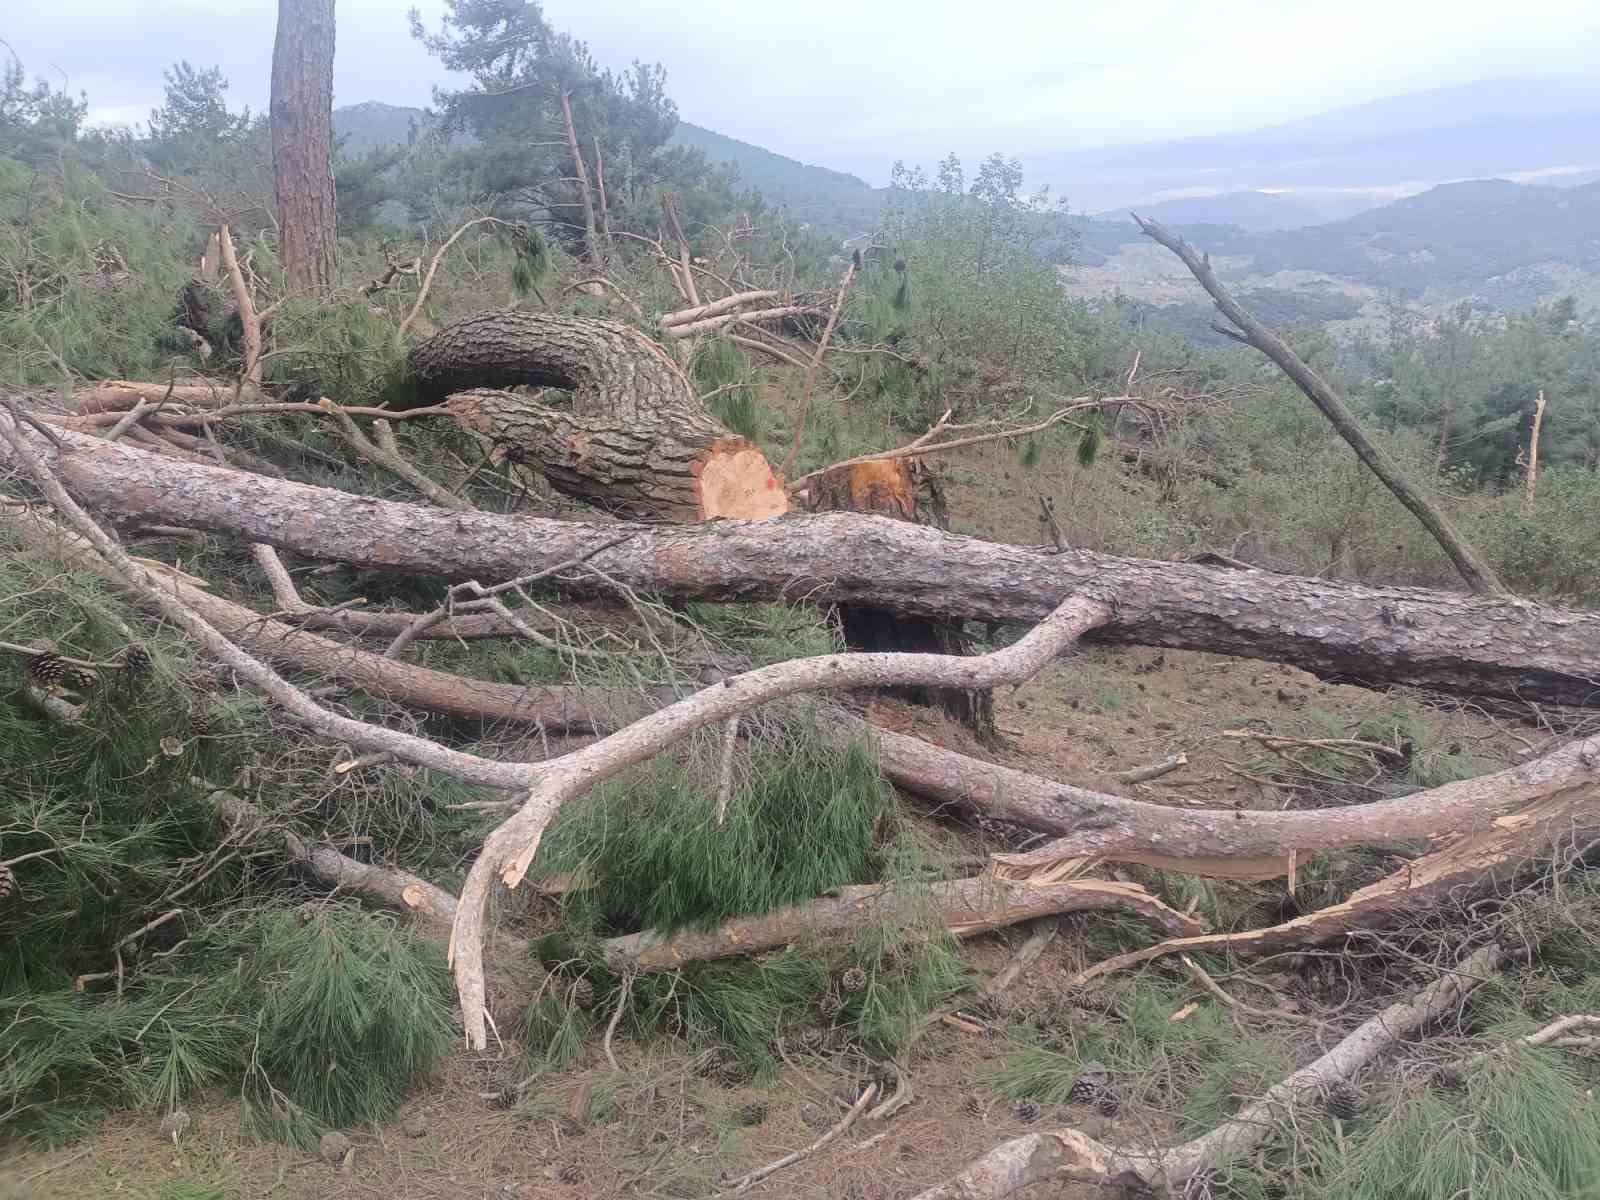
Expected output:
(1474, 568)
(967, 907)
(302, 141)
(635, 441)
(1375, 635)
(885, 487)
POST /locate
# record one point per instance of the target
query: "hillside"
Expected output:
(831, 200)
(1257, 210)
(1503, 245)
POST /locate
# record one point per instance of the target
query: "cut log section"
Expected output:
(634, 440)
(887, 487)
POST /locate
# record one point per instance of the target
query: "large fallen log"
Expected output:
(635, 441)
(1379, 636)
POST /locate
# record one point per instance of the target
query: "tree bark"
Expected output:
(1224, 843)
(635, 442)
(1379, 636)
(885, 487)
(966, 907)
(302, 142)
(1474, 568)
(1513, 847)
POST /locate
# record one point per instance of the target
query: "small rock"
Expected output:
(415, 1125)
(334, 1146)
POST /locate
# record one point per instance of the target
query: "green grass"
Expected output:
(806, 819)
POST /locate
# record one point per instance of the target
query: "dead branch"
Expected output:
(669, 206)
(1266, 1014)
(767, 348)
(591, 241)
(601, 281)
(1475, 865)
(571, 709)
(245, 303)
(746, 1182)
(1475, 569)
(393, 462)
(925, 444)
(1154, 771)
(1069, 1155)
(686, 316)
(433, 266)
(965, 907)
(749, 317)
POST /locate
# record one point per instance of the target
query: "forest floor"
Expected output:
(659, 1128)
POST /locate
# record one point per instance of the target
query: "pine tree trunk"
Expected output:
(635, 440)
(1379, 636)
(302, 142)
(885, 487)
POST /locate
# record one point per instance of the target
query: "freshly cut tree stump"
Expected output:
(888, 487)
(634, 441)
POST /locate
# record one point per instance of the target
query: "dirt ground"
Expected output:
(659, 1129)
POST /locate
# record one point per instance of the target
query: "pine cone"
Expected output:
(753, 1113)
(135, 660)
(47, 670)
(1092, 1083)
(854, 980)
(1028, 1111)
(507, 1097)
(56, 675)
(812, 1039)
(571, 1173)
(972, 1104)
(8, 881)
(830, 1005)
(204, 722)
(1343, 1100)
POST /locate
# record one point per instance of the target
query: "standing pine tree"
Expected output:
(302, 141)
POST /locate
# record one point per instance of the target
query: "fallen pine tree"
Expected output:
(1381, 636)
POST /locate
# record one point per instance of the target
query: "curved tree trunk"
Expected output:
(302, 141)
(635, 440)
(1383, 636)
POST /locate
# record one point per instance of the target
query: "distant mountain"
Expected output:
(1504, 246)
(360, 128)
(1256, 210)
(1390, 147)
(830, 200)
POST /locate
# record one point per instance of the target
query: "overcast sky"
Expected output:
(856, 83)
